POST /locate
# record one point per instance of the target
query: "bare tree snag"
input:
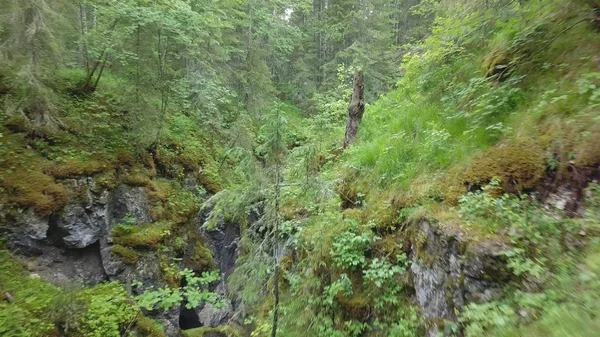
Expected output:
(356, 108)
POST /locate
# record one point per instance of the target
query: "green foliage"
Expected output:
(483, 206)
(383, 275)
(343, 285)
(349, 247)
(192, 293)
(37, 308)
(109, 310)
(30, 312)
(480, 318)
(128, 255)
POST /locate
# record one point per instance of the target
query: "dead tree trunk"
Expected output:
(356, 108)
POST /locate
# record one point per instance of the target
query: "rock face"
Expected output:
(449, 271)
(29, 230)
(130, 201)
(76, 244)
(222, 240)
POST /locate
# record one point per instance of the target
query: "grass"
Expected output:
(441, 128)
(29, 306)
(32, 301)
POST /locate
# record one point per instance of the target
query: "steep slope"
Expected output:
(468, 199)
(467, 206)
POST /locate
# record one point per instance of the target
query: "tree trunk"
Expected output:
(356, 108)
(83, 50)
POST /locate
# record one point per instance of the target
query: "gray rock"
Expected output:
(222, 241)
(86, 219)
(81, 231)
(64, 266)
(449, 271)
(28, 232)
(32, 225)
(170, 329)
(211, 316)
(130, 201)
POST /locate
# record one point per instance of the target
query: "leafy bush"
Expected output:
(109, 311)
(349, 247)
(383, 275)
(192, 293)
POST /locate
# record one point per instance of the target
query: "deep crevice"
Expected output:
(188, 318)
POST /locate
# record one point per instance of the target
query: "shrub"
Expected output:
(350, 246)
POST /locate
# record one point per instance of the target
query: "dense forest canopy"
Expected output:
(299, 168)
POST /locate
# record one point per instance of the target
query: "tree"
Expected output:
(29, 46)
(356, 108)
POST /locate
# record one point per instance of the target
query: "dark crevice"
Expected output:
(188, 318)
(55, 234)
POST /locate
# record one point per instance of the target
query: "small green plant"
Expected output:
(482, 206)
(382, 274)
(343, 285)
(193, 293)
(477, 319)
(350, 246)
(109, 311)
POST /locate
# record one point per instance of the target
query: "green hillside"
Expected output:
(176, 168)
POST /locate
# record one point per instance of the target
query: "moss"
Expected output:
(201, 258)
(390, 245)
(106, 180)
(220, 331)
(171, 201)
(588, 152)
(138, 175)
(209, 178)
(356, 214)
(79, 168)
(148, 328)
(18, 124)
(37, 190)
(171, 272)
(383, 212)
(128, 255)
(497, 63)
(142, 236)
(358, 306)
(137, 179)
(125, 158)
(291, 209)
(520, 165)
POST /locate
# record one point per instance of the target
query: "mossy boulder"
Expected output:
(128, 255)
(221, 331)
(497, 64)
(520, 166)
(201, 258)
(148, 236)
(147, 327)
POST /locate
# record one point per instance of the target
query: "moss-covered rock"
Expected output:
(148, 328)
(519, 165)
(201, 258)
(142, 236)
(128, 255)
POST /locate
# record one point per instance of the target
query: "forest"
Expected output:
(292, 168)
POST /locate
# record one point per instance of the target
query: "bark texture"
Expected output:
(356, 108)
